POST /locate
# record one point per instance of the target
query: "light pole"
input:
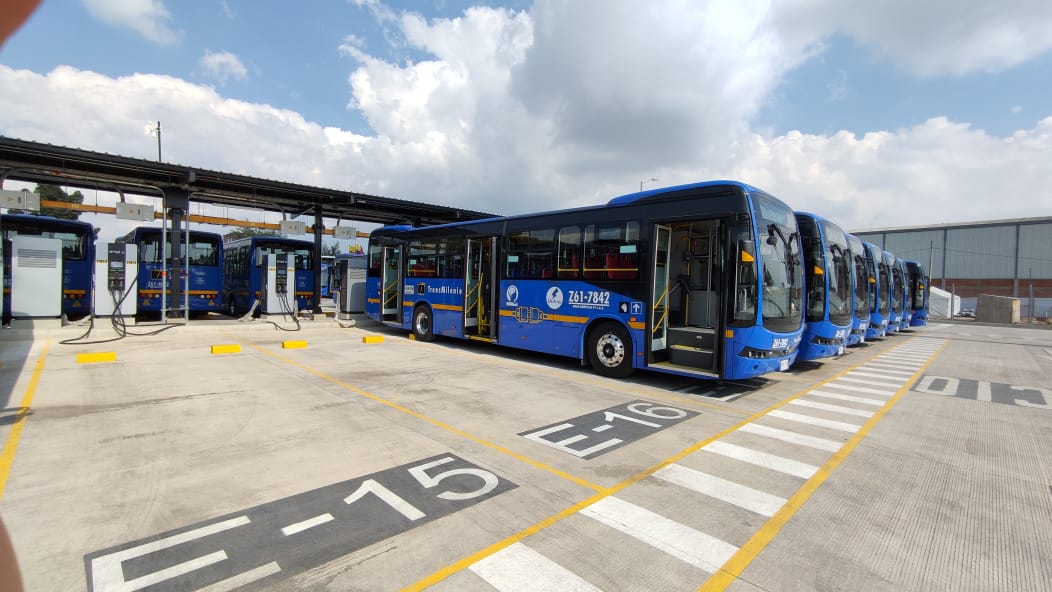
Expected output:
(644, 181)
(155, 130)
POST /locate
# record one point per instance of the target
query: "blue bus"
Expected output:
(203, 253)
(895, 314)
(861, 291)
(907, 301)
(78, 257)
(245, 263)
(699, 280)
(880, 279)
(827, 271)
(918, 293)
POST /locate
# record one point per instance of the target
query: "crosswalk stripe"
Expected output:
(703, 551)
(792, 437)
(833, 408)
(762, 459)
(518, 568)
(815, 421)
(877, 374)
(739, 495)
(840, 397)
(859, 389)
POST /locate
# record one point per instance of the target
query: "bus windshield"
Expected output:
(777, 237)
(863, 295)
(202, 251)
(883, 281)
(896, 284)
(839, 272)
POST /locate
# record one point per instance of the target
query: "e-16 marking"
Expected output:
(618, 426)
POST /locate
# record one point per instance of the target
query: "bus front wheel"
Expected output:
(423, 324)
(610, 350)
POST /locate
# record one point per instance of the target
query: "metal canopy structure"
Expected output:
(23, 160)
(176, 185)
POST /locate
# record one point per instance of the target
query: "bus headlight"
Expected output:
(764, 354)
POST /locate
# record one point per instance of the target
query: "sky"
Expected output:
(872, 114)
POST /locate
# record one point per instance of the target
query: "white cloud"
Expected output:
(570, 104)
(930, 38)
(222, 66)
(149, 18)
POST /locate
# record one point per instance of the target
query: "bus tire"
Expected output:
(423, 323)
(610, 350)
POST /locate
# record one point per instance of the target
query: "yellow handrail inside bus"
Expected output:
(394, 293)
(660, 322)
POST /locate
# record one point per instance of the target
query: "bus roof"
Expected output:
(631, 198)
(47, 220)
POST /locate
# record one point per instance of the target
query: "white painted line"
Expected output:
(762, 459)
(310, 523)
(880, 374)
(833, 408)
(243, 578)
(840, 397)
(107, 575)
(920, 359)
(682, 542)
(983, 393)
(518, 568)
(792, 437)
(889, 369)
(871, 379)
(815, 421)
(751, 499)
(859, 389)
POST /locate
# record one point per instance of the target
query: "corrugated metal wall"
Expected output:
(983, 252)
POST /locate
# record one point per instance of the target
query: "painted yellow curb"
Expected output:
(230, 348)
(97, 357)
(373, 339)
(293, 344)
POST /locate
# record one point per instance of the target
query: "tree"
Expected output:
(248, 231)
(54, 193)
(332, 248)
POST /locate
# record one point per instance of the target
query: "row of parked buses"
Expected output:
(220, 277)
(714, 280)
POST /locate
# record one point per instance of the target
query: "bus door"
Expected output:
(660, 296)
(480, 289)
(391, 285)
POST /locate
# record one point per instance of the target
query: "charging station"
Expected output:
(351, 299)
(116, 279)
(279, 290)
(36, 277)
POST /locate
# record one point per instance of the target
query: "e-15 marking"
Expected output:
(282, 538)
(615, 426)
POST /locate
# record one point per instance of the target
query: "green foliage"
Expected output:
(248, 232)
(54, 193)
(332, 248)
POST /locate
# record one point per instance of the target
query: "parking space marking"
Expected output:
(435, 422)
(746, 425)
(730, 492)
(733, 568)
(630, 421)
(691, 546)
(306, 524)
(243, 579)
(612, 385)
(518, 568)
(7, 457)
(762, 459)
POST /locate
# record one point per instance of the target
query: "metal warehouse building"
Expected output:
(999, 257)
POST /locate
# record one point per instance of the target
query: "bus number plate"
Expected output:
(589, 298)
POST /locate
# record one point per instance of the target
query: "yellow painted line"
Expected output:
(734, 566)
(373, 339)
(96, 357)
(227, 348)
(453, 568)
(435, 422)
(7, 457)
(293, 344)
